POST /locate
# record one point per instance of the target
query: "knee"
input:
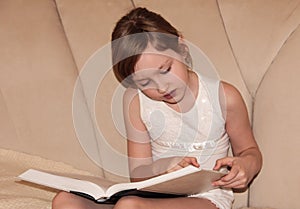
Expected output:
(132, 202)
(63, 200)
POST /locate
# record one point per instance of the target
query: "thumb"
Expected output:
(223, 161)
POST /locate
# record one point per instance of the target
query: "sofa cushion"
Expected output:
(276, 127)
(16, 194)
(256, 31)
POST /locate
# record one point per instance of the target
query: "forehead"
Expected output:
(152, 58)
(150, 61)
(150, 64)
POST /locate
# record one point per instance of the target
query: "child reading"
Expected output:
(174, 117)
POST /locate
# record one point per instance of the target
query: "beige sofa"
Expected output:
(253, 44)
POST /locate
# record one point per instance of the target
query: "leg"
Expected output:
(65, 200)
(133, 202)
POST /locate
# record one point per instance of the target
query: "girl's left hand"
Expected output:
(240, 173)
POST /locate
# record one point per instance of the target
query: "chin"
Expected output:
(170, 101)
(175, 100)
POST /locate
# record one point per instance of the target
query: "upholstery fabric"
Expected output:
(45, 45)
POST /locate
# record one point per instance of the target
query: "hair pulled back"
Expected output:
(131, 36)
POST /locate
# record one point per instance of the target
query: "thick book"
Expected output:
(184, 182)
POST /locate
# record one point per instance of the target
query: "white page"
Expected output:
(62, 183)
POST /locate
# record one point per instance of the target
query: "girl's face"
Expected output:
(162, 77)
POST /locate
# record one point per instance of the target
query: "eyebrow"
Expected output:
(166, 62)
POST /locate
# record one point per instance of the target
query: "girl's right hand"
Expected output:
(181, 162)
(170, 164)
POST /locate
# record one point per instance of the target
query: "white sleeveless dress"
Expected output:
(200, 133)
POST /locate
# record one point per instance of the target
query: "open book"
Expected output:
(186, 181)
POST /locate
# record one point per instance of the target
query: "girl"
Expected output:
(174, 117)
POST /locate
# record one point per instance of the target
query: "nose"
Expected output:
(162, 87)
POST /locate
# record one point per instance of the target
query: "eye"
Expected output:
(145, 83)
(165, 71)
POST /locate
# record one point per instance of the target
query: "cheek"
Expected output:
(180, 71)
(181, 76)
(152, 93)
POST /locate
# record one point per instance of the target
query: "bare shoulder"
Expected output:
(130, 98)
(131, 109)
(233, 98)
(136, 130)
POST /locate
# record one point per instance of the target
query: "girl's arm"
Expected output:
(138, 141)
(139, 149)
(247, 160)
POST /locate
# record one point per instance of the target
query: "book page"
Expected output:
(188, 180)
(100, 181)
(66, 183)
(153, 181)
(194, 183)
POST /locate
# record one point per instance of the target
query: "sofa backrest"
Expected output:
(265, 40)
(37, 79)
(253, 44)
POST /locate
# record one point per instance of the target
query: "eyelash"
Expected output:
(162, 72)
(166, 71)
(145, 84)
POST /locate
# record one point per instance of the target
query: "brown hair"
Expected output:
(132, 34)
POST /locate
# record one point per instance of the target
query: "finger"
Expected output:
(229, 178)
(222, 162)
(174, 168)
(184, 163)
(240, 181)
(195, 162)
(192, 161)
(231, 175)
(235, 184)
(176, 160)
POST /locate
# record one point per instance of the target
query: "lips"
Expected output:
(170, 95)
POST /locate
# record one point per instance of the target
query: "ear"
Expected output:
(184, 50)
(183, 46)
